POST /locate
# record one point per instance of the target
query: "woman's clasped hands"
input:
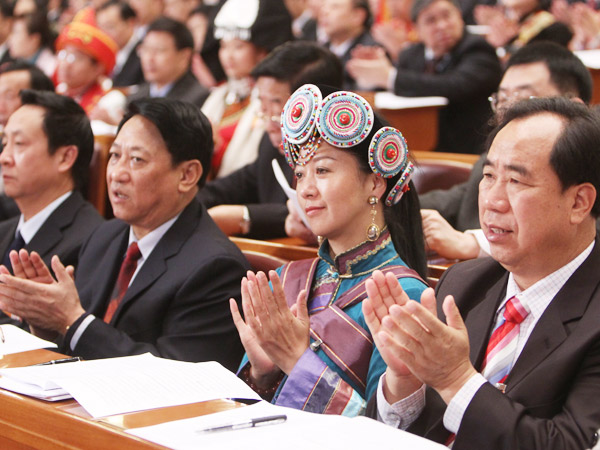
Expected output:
(274, 335)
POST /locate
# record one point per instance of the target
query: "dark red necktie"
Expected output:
(125, 273)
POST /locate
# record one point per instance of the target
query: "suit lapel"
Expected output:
(51, 232)
(8, 235)
(569, 305)
(481, 320)
(104, 282)
(156, 264)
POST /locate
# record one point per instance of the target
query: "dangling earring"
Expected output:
(373, 230)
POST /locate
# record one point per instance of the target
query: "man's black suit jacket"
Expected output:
(131, 72)
(466, 77)
(256, 187)
(177, 306)
(62, 234)
(186, 89)
(551, 399)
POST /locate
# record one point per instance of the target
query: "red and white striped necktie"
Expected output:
(503, 343)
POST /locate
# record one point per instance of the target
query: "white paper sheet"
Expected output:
(17, 340)
(387, 100)
(291, 193)
(301, 431)
(591, 58)
(119, 385)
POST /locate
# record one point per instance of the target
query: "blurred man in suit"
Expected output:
(158, 277)
(166, 55)
(346, 23)
(448, 62)
(117, 19)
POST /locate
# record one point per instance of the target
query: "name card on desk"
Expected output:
(105, 387)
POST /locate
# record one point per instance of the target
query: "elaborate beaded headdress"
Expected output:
(343, 119)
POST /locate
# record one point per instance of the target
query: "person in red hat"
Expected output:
(86, 56)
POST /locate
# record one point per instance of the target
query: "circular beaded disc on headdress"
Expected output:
(299, 114)
(388, 152)
(345, 119)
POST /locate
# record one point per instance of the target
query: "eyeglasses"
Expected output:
(262, 116)
(498, 99)
(70, 57)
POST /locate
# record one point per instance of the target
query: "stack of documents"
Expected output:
(301, 430)
(15, 340)
(105, 387)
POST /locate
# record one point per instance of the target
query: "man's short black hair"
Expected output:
(567, 71)
(126, 12)
(7, 8)
(186, 131)
(575, 156)
(419, 5)
(38, 80)
(364, 5)
(65, 123)
(301, 62)
(181, 34)
(37, 23)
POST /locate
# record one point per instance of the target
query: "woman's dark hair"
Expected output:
(404, 218)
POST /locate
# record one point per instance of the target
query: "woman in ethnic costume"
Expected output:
(353, 179)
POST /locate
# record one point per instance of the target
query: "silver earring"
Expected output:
(373, 230)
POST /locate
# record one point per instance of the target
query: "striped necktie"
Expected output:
(503, 343)
(501, 348)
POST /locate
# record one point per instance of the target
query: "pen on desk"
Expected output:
(59, 361)
(258, 422)
(2, 338)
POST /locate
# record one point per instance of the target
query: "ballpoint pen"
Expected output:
(59, 361)
(2, 338)
(258, 422)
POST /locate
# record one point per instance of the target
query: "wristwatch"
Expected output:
(245, 222)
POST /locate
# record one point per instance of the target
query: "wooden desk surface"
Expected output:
(28, 423)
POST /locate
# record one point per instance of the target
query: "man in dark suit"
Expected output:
(513, 360)
(169, 295)
(447, 62)
(166, 55)
(541, 69)
(48, 145)
(250, 201)
(117, 19)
